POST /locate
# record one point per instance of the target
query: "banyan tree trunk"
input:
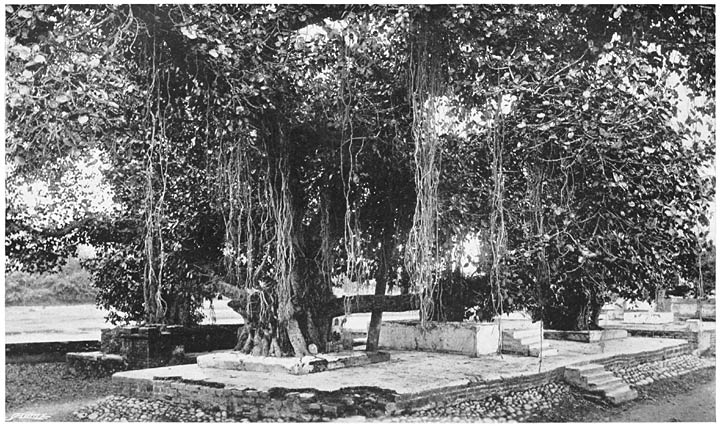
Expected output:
(302, 332)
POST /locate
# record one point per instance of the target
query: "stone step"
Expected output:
(577, 375)
(522, 341)
(619, 396)
(619, 385)
(514, 345)
(529, 350)
(521, 333)
(604, 385)
(532, 340)
(585, 369)
(598, 376)
(595, 379)
(546, 351)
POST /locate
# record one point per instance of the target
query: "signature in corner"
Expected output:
(27, 416)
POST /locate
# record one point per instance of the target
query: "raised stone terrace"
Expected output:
(408, 380)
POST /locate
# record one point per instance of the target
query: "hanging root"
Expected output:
(249, 341)
(275, 348)
(422, 252)
(242, 336)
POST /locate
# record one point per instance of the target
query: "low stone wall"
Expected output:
(701, 340)
(151, 346)
(649, 372)
(687, 308)
(476, 390)
(201, 338)
(290, 404)
(17, 353)
(588, 336)
(95, 364)
(631, 360)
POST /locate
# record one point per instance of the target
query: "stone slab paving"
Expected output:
(412, 372)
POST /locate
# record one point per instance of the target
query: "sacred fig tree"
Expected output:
(272, 153)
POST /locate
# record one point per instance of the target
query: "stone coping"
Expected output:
(95, 356)
(231, 360)
(586, 336)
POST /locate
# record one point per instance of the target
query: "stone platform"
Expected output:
(409, 380)
(700, 335)
(232, 360)
(95, 363)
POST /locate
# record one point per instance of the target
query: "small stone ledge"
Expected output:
(95, 363)
(297, 366)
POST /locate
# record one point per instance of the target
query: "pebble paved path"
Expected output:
(647, 373)
(521, 406)
(514, 406)
(121, 408)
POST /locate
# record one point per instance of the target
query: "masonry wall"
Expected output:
(290, 404)
(17, 353)
(631, 360)
(687, 308)
(132, 348)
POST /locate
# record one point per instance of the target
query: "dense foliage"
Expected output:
(279, 149)
(70, 285)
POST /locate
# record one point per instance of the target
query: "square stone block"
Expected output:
(640, 317)
(452, 337)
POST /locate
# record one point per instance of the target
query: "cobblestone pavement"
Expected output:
(542, 403)
(647, 373)
(514, 406)
(122, 408)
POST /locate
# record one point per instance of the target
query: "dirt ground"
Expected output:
(45, 391)
(697, 405)
(689, 398)
(686, 398)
